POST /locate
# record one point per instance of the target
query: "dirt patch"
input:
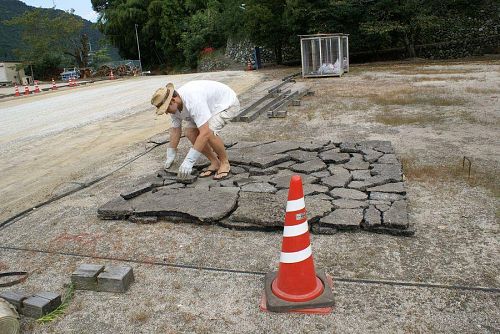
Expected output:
(436, 125)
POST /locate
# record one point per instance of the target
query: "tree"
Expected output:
(264, 24)
(204, 29)
(101, 56)
(45, 35)
(401, 20)
(159, 27)
(81, 52)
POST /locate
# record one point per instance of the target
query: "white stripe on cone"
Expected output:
(295, 205)
(295, 257)
(295, 230)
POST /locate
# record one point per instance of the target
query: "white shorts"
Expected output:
(218, 121)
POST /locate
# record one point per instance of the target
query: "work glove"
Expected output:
(188, 163)
(171, 153)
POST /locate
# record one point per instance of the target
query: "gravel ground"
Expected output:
(208, 279)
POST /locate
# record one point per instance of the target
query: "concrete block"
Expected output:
(15, 297)
(53, 298)
(115, 279)
(85, 276)
(38, 306)
(280, 113)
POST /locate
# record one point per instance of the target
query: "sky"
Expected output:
(82, 8)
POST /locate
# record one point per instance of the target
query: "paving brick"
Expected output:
(115, 279)
(15, 297)
(53, 298)
(38, 306)
(85, 276)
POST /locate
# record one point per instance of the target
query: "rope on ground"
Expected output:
(260, 273)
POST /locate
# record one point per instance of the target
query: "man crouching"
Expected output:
(207, 106)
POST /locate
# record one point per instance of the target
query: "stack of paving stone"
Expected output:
(347, 186)
(33, 306)
(99, 278)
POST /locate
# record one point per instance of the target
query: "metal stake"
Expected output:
(463, 164)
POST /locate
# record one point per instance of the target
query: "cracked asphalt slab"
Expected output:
(362, 195)
(193, 278)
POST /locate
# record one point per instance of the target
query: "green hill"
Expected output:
(10, 36)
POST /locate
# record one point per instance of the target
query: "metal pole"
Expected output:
(32, 76)
(138, 49)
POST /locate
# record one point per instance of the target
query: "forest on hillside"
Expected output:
(49, 39)
(176, 32)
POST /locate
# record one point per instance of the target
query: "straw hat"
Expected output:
(161, 98)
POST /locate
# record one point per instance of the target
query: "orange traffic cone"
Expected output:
(111, 76)
(26, 90)
(249, 66)
(71, 81)
(17, 91)
(296, 287)
(54, 87)
(37, 90)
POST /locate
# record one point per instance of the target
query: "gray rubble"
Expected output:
(356, 186)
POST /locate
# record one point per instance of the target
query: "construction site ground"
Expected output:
(192, 278)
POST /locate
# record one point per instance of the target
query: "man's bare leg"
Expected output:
(217, 145)
(192, 134)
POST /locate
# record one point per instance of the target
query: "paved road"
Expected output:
(58, 137)
(47, 114)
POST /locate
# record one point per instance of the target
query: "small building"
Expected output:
(12, 72)
(324, 54)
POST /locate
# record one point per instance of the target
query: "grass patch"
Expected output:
(470, 117)
(433, 71)
(482, 177)
(457, 78)
(404, 98)
(395, 119)
(68, 296)
(474, 90)
(141, 316)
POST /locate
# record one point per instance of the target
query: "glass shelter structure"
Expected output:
(324, 54)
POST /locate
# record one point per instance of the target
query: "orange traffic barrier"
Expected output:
(17, 91)
(37, 89)
(54, 87)
(26, 90)
(296, 287)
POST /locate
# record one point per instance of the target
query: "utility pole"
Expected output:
(138, 49)
(32, 76)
